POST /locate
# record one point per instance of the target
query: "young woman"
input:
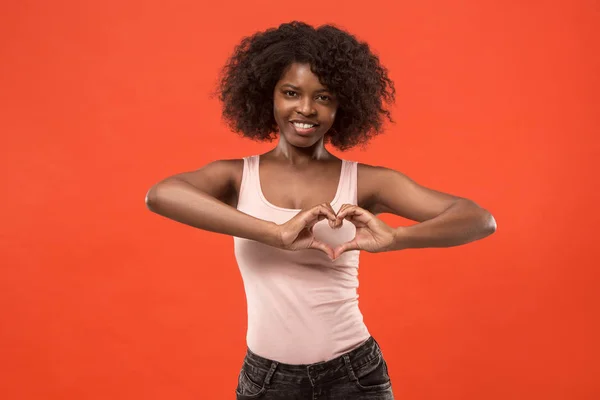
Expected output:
(300, 215)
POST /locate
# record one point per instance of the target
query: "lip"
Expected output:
(304, 132)
(304, 121)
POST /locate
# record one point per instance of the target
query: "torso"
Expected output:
(316, 316)
(301, 187)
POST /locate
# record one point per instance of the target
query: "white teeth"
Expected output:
(302, 126)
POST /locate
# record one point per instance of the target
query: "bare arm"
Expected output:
(444, 220)
(205, 199)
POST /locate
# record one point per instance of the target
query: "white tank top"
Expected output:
(302, 307)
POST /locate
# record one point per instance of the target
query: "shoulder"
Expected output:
(365, 169)
(385, 190)
(229, 165)
(369, 180)
(367, 173)
(218, 172)
(229, 172)
(377, 184)
(232, 168)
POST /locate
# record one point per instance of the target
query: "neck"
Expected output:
(300, 155)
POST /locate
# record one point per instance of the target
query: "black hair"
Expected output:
(344, 65)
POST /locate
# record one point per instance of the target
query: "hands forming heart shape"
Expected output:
(372, 234)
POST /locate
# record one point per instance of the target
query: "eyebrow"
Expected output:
(297, 88)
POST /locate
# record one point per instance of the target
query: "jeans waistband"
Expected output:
(321, 371)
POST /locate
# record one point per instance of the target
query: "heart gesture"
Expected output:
(297, 233)
(372, 234)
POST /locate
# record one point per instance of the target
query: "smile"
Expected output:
(304, 129)
(302, 125)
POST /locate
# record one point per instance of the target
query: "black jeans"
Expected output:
(359, 374)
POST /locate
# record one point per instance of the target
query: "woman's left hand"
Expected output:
(372, 234)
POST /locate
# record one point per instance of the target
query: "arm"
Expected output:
(444, 220)
(205, 199)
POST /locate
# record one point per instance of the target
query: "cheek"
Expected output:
(280, 108)
(331, 115)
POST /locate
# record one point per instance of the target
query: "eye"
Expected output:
(325, 97)
(286, 92)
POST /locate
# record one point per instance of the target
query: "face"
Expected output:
(303, 108)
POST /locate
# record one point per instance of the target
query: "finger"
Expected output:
(339, 250)
(340, 220)
(318, 245)
(327, 210)
(314, 215)
(343, 207)
(345, 212)
(334, 223)
(356, 213)
(353, 219)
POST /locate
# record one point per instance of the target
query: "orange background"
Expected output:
(102, 299)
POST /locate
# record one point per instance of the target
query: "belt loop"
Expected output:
(270, 373)
(349, 368)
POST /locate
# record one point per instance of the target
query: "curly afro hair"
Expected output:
(344, 65)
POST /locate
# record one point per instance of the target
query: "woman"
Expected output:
(299, 215)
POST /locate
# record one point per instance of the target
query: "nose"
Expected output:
(305, 106)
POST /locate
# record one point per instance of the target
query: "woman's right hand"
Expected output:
(297, 233)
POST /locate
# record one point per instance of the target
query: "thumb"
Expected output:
(318, 245)
(342, 248)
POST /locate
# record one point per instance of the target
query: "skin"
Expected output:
(300, 95)
(307, 176)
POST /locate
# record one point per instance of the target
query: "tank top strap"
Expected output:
(252, 164)
(348, 183)
(249, 184)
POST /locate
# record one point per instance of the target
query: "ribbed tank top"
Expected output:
(302, 307)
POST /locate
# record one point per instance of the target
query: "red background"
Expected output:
(102, 299)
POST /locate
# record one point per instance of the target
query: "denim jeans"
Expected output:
(360, 374)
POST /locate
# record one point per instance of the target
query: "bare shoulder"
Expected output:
(220, 170)
(367, 173)
(219, 178)
(385, 190)
(366, 186)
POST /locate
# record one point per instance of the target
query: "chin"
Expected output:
(300, 141)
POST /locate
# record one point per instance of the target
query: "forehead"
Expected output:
(300, 75)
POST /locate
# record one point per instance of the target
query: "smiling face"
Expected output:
(303, 108)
